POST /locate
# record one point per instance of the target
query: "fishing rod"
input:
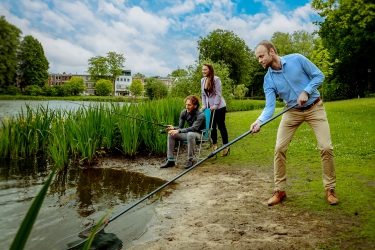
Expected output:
(128, 116)
(84, 235)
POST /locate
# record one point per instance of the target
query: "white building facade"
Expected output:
(122, 82)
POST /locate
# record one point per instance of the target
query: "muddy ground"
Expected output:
(219, 207)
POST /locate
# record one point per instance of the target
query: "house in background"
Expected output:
(122, 82)
(60, 79)
(166, 80)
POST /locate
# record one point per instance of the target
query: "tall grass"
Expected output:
(246, 105)
(27, 134)
(58, 143)
(159, 112)
(85, 133)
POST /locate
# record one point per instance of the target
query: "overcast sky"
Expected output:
(155, 37)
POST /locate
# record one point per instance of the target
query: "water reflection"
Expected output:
(11, 108)
(76, 199)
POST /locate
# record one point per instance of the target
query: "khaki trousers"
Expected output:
(317, 119)
(190, 137)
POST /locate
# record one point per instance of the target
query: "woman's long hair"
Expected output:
(209, 85)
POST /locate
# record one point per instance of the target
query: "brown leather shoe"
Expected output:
(277, 197)
(331, 197)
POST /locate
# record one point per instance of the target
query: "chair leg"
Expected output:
(178, 150)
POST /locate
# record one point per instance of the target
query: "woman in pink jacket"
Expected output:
(212, 98)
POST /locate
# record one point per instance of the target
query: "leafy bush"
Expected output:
(49, 91)
(33, 90)
(155, 89)
(60, 90)
(75, 85)
(11, 90)
(103, 87)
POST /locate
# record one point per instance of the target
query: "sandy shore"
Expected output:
(217, 207)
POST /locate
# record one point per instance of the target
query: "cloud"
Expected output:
(155, 39)
(180, 8)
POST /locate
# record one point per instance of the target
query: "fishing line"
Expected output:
(128, 116)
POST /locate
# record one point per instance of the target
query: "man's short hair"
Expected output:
(268, 45)
(194, 100)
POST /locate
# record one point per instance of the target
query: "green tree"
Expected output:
(60, 90)
(299, 41)
(136, 87)
(255, 84)
(115, 64)
(50, 90)
(179, 73)
(98, 68)
(33, 90)
(347, 31)
(283, 43)
(155, 89)
(11, 90)
(109, 67)
(321, 58)
(226, 47)
(103, 87)
(75, 85)
(32, 63)
(191, 84)
(10, 37)
(140, 75)
(240, 91)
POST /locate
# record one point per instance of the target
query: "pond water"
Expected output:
(9, 108)
(77, 199)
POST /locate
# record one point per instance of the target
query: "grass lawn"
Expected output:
(352, 124)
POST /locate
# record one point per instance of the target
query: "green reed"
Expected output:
(58, 144)
(130, 130)
(84, 134)
(163, 112)
(27, 134)
(85, 131)
(110, 122)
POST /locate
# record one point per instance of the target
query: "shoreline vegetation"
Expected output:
(232, 105)
(95, 130)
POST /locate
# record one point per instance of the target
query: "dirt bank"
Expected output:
(217, 207)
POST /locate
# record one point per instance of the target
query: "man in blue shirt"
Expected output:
(295, 79)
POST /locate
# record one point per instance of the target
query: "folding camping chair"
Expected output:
(205, 134)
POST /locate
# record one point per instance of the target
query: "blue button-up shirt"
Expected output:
(297, 74)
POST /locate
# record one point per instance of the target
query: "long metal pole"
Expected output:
(196, 164)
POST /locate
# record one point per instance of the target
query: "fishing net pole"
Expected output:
(80, 238)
